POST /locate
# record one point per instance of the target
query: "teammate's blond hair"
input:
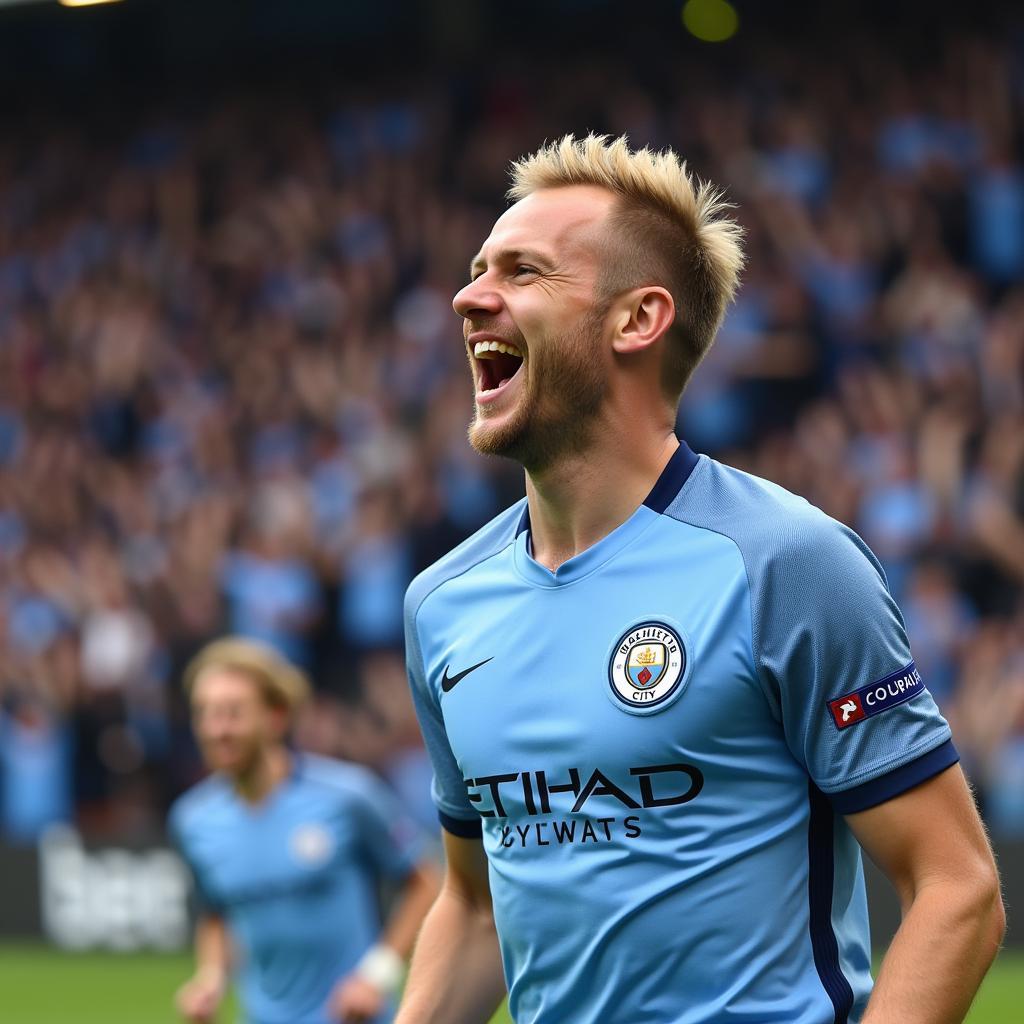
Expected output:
(281, 683)
(667, 229)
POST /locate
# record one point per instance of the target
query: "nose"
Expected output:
(478, 298)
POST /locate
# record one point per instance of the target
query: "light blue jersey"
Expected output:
(658, 742)
(295, 878)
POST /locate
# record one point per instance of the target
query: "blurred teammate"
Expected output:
(287, 850)
(667, 702)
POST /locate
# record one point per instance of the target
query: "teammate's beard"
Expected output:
(560, 398)
(246, 761)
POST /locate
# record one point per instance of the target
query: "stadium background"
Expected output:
(233, 397)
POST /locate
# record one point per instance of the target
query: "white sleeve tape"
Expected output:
(382, 967)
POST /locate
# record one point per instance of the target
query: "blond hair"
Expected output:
(667, 229)
(280, 683)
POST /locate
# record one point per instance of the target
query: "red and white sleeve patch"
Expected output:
(876, 697)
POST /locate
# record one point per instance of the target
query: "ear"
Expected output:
(280, 722)
(643, 317)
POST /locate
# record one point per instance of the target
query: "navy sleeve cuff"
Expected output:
(461, 827)
(899, 780)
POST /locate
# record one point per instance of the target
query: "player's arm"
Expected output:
(361, 995)
(414, 899)
(456, 975)
(930, 843)
(200, 997)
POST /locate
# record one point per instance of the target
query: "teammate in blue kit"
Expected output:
(667, 703)
(287, 850)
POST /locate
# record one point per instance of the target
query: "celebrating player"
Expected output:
(287, 850)
(668, 703)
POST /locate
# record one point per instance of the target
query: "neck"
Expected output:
(579, 499)
(258, 781)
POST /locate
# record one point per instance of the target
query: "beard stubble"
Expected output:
(559, 404)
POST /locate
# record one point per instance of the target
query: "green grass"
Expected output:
(41, 986)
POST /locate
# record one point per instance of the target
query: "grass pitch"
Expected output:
(41, 986)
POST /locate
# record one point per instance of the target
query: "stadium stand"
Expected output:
(233, 397)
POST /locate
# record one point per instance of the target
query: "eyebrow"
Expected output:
(509, 256)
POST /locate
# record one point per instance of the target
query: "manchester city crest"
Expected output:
(647, 667)
(311, 845)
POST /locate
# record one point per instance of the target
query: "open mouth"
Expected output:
(498, 363)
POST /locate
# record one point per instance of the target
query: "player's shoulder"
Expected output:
(334, 778)
(200, 804)
(489, 540)
(773, 527)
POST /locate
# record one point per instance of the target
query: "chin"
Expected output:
(535, 445)
(509, 440)
(228, 763)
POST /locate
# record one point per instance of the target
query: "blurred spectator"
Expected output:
(272, 594)
(35, 769)
(376, 568)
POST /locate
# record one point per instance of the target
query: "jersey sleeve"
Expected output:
(448, 789)
(392, 841)
(832, 650)
(177, 832)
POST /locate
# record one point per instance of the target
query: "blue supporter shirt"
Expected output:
(295, 877)
(658, 742)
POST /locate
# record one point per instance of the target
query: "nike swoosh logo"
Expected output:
(448, 682)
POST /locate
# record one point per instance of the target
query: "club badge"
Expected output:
(647, 667)
(311, 845)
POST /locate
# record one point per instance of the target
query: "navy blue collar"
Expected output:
(666, 487)
(672, 478)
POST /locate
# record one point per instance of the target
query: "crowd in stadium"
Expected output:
(233, 394)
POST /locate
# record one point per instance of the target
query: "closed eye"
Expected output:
(520, 270)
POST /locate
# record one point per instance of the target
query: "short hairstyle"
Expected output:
(667, 229)
(280, 683)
